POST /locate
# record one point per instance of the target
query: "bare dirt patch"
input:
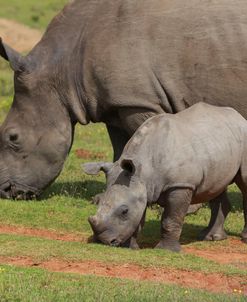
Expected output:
(20, 37)
(235, 252)
(235, 258)
(86, 154)
(16, 230)
(210, 282)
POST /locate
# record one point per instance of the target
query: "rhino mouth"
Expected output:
(10, 190)
(111, 240)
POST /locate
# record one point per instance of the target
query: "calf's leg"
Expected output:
(176, 205)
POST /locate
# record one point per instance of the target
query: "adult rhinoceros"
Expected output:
(118, 62)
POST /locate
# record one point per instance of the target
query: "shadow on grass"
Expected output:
(236, 201)
(79, 190)
(150, 235)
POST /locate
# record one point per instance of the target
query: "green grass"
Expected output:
(65, 206)
(36, 14)
(36, 285)
(44, 249)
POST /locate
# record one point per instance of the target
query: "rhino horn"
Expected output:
(15, 59)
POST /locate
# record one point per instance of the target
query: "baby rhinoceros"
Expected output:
(173, 160)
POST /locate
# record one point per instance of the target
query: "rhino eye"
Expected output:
(13, 137)
(123, 212)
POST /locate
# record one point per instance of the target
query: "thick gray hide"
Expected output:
(117, 62)
(177, 160)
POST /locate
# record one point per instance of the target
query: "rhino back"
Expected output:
(166, 55)
(201, 147)
(161, 55)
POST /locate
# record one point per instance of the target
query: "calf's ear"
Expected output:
(15, 59)
(95, 168)
(128, 165)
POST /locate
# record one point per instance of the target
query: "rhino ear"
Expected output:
(95, 168)
(128, 165)
(15, 59)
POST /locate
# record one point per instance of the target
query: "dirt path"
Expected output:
(19, 230)
(232, 256)
(210, 282)
(18, 36)
(234, 253)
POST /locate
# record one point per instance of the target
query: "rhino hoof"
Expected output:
(244, 237)
(244, 240)
(171, 246)
(133, 244)
(207, 235)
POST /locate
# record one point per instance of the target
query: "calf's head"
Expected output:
(36, 136)
(121, 208)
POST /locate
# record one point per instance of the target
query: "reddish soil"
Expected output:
(86, 154)
(234, 253)
(18, 36)
(210, 282)
(220, 256)
(7, 229)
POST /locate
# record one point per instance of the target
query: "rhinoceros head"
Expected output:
(121, 209)
(36, 136)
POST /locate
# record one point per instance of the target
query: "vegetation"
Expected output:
(65, 206)
(33, 285)
(36, 14)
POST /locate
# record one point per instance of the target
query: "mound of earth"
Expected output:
(19, 36)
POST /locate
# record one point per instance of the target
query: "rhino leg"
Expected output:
(241, 182)
(119, 139)
(133, 242)
(220, 207)
(176, 205)
(244, 232)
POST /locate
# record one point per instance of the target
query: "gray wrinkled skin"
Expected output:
(173, 160)
(118, 62)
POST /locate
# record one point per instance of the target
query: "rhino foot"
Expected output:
(244, 236)
(173, 246)
(133, 244)
(244, 240)
(211, 235)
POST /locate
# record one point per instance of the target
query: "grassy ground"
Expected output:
(44, 250)
(33, 285)
(36, 14)
(65, 206)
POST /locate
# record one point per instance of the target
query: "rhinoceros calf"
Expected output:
(173, 160)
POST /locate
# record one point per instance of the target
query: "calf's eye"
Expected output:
(125, 211)
(13, 137)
